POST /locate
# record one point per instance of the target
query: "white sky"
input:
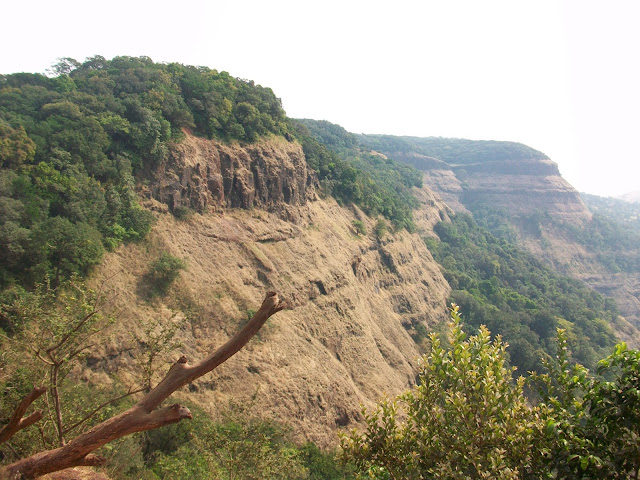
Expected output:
(560, 76)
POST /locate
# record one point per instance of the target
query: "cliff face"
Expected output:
(207, 175)
(544, 208)
(522, 187)
(355, 300)
(518, 187)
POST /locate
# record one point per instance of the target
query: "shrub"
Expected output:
(359, 226)
(162, 273)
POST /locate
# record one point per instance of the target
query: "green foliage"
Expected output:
(378, 185)
(380, 228)
(241, 445)
(163, 271)
(516, 296)
(465, 418)
(70, 144)
(454, 151)
(16, 148)
(360, 227)
(50, 334)
(623, 213)
(333, 136)
(616, 245)
(593, 422)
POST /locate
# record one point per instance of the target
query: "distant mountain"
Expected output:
(631, 197)
(623, 211)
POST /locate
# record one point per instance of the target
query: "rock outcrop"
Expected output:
(517, 187)
(203, 174)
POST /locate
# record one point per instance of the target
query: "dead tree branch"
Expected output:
(17, 422)
(145, 415)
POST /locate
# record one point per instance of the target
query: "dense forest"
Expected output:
(498, 284)
(454, 151)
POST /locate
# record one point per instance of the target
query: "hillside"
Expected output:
(504, 182)
(113, 165)
(355, 299)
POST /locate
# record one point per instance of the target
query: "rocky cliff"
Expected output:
(355, 300)
(517, 186)
(528, 189)
(206, 175)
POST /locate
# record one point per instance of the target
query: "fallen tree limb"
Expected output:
(145, 415)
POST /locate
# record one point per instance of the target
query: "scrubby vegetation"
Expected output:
(241, 445)
(467, 418)
(163, 271)
(505, 288)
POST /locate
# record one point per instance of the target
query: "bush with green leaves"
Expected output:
(163, 271)
(468, 418)
(593, 421)
(465, 418)
(360, 227)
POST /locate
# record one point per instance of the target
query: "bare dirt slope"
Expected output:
(346, 338)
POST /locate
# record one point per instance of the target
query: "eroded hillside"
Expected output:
(355, 300)
(525, 189)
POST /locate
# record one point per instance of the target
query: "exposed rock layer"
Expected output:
(203, 174)
(518, 187)
(527, 190)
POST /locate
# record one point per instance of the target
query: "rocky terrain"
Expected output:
(528, 191)
(354, 299)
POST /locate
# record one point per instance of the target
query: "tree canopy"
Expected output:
(71, 144)
(506, 288)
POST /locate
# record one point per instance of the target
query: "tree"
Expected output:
(146, 414)
(66, 248)
(16, 148)
(465, 418)
(593, 422)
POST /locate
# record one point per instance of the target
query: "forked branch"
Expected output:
(145, 415)
(18, 421)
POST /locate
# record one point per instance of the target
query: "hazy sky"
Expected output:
(560, 76)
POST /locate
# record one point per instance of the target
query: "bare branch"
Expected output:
(145, 415)
(17, 423)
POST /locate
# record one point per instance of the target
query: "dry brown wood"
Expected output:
(145, 415)
(17, 422)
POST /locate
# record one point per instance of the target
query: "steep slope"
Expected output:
(524, 188)
(355, 299)
(504, 175)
